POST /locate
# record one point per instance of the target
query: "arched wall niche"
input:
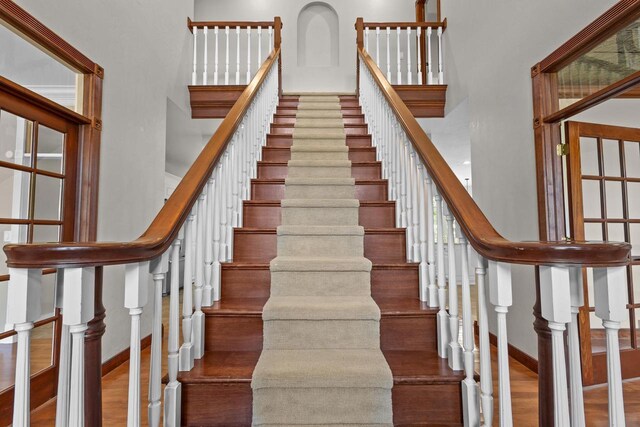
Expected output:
(318, 36)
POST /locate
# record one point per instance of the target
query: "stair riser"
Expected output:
(291, 120)
(316, 172)
(288, 130)
(410, 407)
(260, 247)
(346, 111)
(260, 216)
(265, 190)
(233, 404)
(345, 103)
(320, 216)
(358, 171)
(280, 155)
(255, 282)
(247, 332)
(285, 141)
(323, 246)
(315, 283)
(325, 334)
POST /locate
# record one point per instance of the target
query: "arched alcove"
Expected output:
(318, 44)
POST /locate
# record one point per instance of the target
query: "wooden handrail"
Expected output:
(442, 24)
(241, 24)
(166, 225)
(479, 231)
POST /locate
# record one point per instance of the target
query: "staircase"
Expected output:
(218, 391)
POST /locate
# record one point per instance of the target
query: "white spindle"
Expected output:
(270, 38)
(418, 48)
(575, 365)
(470, 402)
(486, 375)
(500, 295)
(194, 74)
(248, 54)
(443, 317)
(454, 352)
(378, 46)
(237, 55)
(173, 390)
(226, 55)
(186, 350)
(440, 69)
(198, 315)
(158, 269)
(64, 361)
(217, 253)
(215, 58)
(555, 303)
(207, 291)
(398, 62)
(135, 298)
(24, 293)
(389, 54)
(416, 186)
(409, 74)
(423, 207)
(205, 54)
(429, 63)
(610, 297)
(366, 39)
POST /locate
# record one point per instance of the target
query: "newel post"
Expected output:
(359, 45)
(277, 43)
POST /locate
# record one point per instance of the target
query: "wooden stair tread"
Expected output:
(264, 265)
(277, 202)
(420, 367)
(222, 367)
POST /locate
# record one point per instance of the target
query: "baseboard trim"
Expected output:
(514, 352)
(123, 356)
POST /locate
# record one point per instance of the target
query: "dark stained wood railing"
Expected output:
(481, 234)
(166, 225)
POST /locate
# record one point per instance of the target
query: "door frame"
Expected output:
(89, 122)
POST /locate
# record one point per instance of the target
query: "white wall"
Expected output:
(490, 47)
(143, 46)
(299, 78)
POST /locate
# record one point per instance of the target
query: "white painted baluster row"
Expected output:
(431, 227)
(243, 44)
(207, 240)
(407, 52)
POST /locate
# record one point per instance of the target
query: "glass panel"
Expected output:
(633, 199)
(31, 67)
(589, 156)
(632, 159)
(613, 191)
(610, 61)
(611, 152)
(14, 193)
(46, 233)
(15, 139)
(591, 199)
(10, 233)
(616, 232)
(593, 231)
(50, 149)
(634, 231)
(48, 197)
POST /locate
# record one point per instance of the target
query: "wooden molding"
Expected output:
(123, 356)
(423, 100)
(213, 102)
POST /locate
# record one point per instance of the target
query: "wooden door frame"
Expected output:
(89, 140)
(547, 118)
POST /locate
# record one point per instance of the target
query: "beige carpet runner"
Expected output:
(321, 363)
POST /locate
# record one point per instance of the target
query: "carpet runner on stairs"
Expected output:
(321, 362)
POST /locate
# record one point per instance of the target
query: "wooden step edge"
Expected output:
(265, 266)
(368, 203)
(270, 230)
(281, 181)
(356, 163)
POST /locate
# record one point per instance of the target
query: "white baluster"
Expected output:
(440, 69)
(500, 295)
(423, 208)
(486, 380)
(378, 46)
(416, 186)
(23, 293)
(173, 390)
(229, 202)
(194, 74)
(198, 315)
(389, 54)
(186, 350)
(398, 62)
(226, 56)
(259, 62)
(610, 297)
(431, 252)
(237, 55)
(215, 71)
(209, 274)
(206, 55)
(409, 74)
(429, 63)
(158, 269)
(418, 47)
(217, 255)
(443, 318)
(573, 339)
(555, 303)
(248, 55)
(270, 38)
(64, 362)
(454, 352)
(135, 298)
(470, 402)
(366, 39)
